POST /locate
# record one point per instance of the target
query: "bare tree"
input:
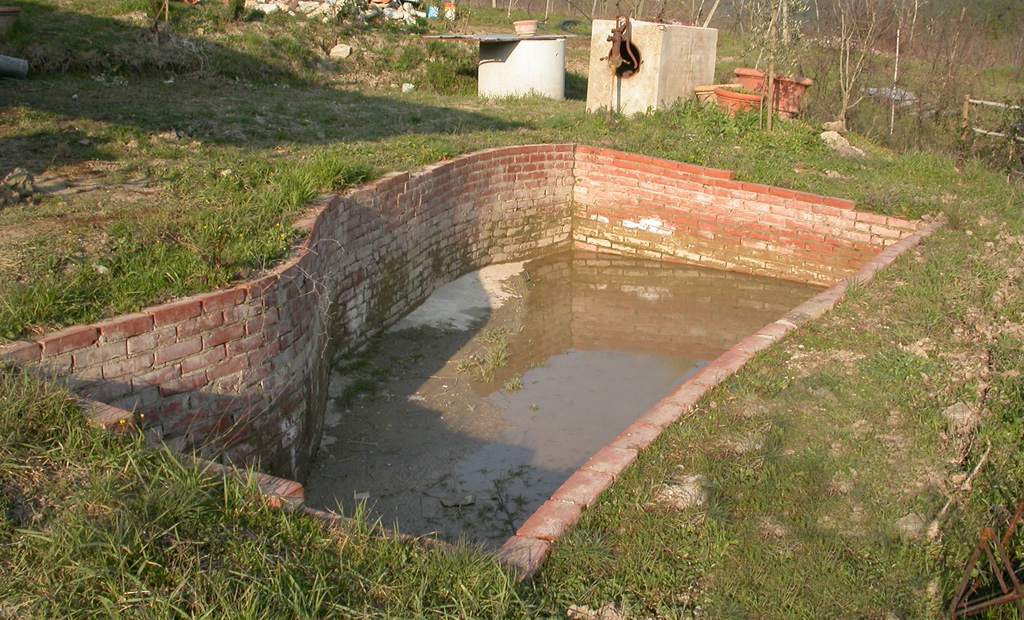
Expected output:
(859, 26)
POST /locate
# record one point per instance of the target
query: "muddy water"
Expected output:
(465, 417)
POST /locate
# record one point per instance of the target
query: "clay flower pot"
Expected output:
(525, 27)
(750, 79)
(732, 102)
(706, 94)
(788, 93)
(8, 15)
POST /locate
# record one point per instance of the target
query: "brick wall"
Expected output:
(655, 208)
(241, 374)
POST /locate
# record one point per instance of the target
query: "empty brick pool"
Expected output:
(242, 375)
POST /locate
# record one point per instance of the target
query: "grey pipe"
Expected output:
(13, 67)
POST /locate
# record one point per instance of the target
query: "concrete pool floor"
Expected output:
(463, 419)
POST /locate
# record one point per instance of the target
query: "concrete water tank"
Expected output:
(673, 60)
(519, 66)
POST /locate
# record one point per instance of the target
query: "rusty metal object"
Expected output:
(622, 39)
(971, 598)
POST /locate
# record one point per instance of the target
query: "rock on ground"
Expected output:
(963, 418)
(690, 493)
(841, 144)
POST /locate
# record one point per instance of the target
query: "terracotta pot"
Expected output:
(8, 15)
(750, 79)
(788, 93)
(526, 27)
(732, 102)
(706, 93)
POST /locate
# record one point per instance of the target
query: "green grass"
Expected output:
(94, 524)
(810, 455)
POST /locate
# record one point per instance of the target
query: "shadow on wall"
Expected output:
(188, 90)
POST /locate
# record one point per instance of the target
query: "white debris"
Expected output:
(649, 225)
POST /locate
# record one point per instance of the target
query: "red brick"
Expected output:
(202, 360)
(156, 377)
(200, 324)
(108, 417)
(174, 312)
(871, 218)
(125, 326)
(220, 299)
(583, 488)
(687, 395)
(289, 491)
(68, 339)
(151, 340)
(524, 555)
(99, 354)
(662, 414)
(840, 203)
(262, 354)
(244, 345)
(222, 335)
(57, 366)
(751, 345)
(550, 521)
(176, 351)
(229, 367)
(105, 392)
(776, 331)
(636, 437)
(21, 352)
(127, 366)
(184, 384)
(721, 369)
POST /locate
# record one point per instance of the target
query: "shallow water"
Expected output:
(466, 417)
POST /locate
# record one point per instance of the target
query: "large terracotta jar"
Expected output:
(750, 79)
(788, 93)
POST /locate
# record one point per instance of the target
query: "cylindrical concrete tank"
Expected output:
(522, 67)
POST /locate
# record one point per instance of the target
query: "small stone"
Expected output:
(340, 51)
(101, 270)
(841, 144)
(963, 418)
(606, 612)
(834, 140)
(408, 88)
(773, 529)
(911, 525)
(16, 187)
(690, 493)
(457, 500)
